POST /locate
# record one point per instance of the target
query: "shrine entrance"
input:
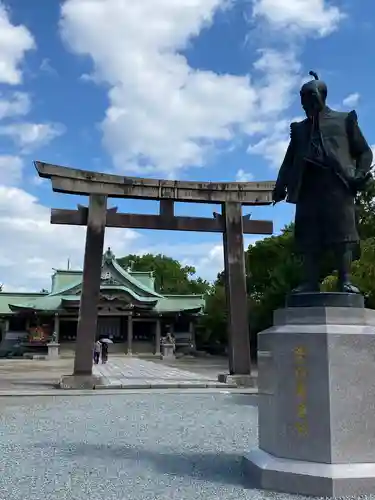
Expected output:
(108, 327)
(230, 222)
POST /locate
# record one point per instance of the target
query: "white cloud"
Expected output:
(207, 257)
(163, 114)
(10, 169)
(281, 76)
(211, 262)
(299, 16)
(273, 146)
(242, 176)
(90, 78)
(291, 17)
(15, 104)
(30, 136)
(34, 246)
(15, 41)
(31, 245)
(351, 100)
(47, 67)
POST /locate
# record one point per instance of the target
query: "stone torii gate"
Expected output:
(231, 223)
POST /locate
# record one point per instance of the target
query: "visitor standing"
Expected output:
(97, 351)
(104, 352)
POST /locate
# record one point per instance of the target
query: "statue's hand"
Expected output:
(359, 182)
(278, 195)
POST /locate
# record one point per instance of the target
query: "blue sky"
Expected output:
(194, 89)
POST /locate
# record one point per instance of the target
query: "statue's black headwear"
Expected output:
(315, 86)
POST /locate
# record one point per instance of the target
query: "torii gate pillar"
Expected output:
(235, 280)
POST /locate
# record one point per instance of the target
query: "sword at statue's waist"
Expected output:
(319, 163)
(329, 162)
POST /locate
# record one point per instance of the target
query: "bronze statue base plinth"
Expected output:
(325, 299)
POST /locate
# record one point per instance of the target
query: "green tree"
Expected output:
(363, 266)
(214, 322)
(365, 207)
(170, 276)
(363, 273)
(273, 270)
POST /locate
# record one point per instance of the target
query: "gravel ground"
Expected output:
(135, 446)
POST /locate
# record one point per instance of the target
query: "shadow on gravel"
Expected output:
(221, 468)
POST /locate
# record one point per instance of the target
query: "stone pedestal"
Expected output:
(248, 381)
(53, 350)
(317, 399)
(80, 382)
(168, 351)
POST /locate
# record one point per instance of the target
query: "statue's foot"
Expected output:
(348, 288)
(307, 288)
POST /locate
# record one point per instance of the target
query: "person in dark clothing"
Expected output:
(327, 162)
(104, 352)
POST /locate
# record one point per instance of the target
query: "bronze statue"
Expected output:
(328, 161)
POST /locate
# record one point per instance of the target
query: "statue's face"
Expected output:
(312, 100)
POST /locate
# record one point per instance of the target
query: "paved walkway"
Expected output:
(129, 373)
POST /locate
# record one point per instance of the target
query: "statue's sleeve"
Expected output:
(359, 148)
(281, 182)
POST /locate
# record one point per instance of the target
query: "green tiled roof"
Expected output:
(180, 304)
(67, 282)
(69, 287)
(7, 298)
(73, 279)
(117, 288)
(47, 303)
(146, 278)
(64, 279)
(133, 281)
(163, 305)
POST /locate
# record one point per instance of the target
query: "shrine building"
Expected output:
(130, 311)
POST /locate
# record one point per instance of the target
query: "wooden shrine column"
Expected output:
(236, 293)
(88, 311)
(56, 327)
(192, 333)
(157, 336)
(4, 327)
(130, 335)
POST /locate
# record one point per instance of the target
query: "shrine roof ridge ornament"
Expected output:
(85, 182)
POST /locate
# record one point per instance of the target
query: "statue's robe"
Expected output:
(325, 160)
